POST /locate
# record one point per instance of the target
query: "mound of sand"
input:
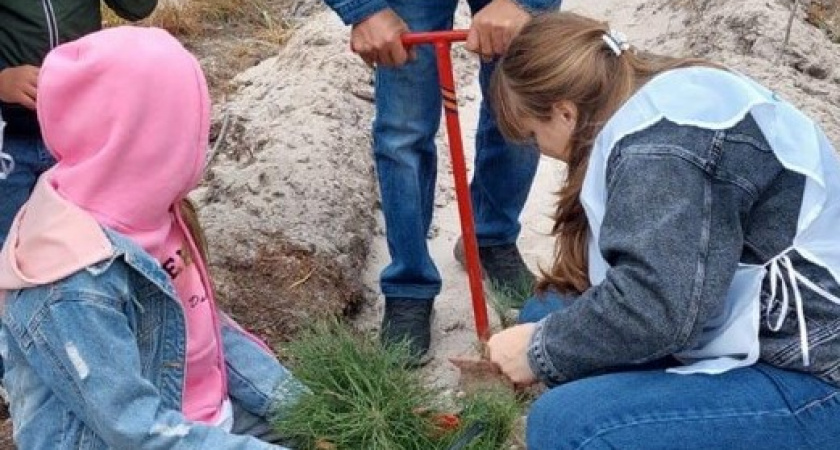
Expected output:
(289, 200)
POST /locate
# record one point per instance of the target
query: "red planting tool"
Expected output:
(442, 40)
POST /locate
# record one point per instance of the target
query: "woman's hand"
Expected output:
(509, 350)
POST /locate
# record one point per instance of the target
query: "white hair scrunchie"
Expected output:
(617, 41)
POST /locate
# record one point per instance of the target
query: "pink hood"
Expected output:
(125, 112)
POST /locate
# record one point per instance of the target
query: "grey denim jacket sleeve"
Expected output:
(678, 198)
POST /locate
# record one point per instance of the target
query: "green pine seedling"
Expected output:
(364, 396)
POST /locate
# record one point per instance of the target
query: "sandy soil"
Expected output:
(289, 200)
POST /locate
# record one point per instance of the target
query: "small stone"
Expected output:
(764, 47)
(817, 71)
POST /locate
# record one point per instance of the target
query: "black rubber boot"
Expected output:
(409, 321)
(502, 266)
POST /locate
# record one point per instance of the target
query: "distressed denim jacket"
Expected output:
(727, 199)
(96, 361)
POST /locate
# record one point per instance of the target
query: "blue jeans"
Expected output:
(408, 110)
(644, 407)
(31, 160)
(540, 305)
(757, 407)
(248, 424)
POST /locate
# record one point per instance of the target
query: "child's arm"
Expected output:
(132, 9)
(82, 347)
(256, 379)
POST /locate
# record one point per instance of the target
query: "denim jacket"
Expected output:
(685, 205)
(96, 361)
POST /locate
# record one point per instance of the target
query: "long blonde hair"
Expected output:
(563, 56)
(189, 214)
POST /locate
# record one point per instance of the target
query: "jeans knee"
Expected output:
(566, 417)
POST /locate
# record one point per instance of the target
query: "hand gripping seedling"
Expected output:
(442, 40)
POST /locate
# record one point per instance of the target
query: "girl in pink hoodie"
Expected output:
(111, 335)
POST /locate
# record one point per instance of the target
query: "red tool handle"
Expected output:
(433, 37)
(442, 40)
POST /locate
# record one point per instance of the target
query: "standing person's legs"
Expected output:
(499, 188)
(757, 407)
(408, 109)
(31, 159)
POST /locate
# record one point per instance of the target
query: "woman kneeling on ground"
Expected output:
(693, 302)
(111, 336)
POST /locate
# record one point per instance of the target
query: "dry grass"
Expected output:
(227, 36)
(192, 19)
(825, 14)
